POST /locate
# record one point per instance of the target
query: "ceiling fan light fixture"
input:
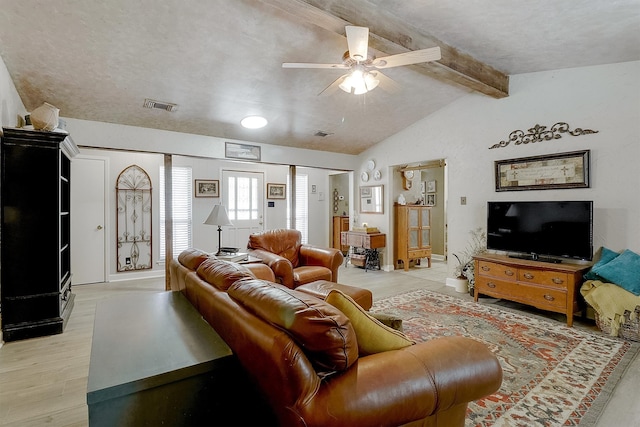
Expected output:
(253, 122)
(359, 82)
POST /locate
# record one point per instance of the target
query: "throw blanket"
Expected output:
(609, 301)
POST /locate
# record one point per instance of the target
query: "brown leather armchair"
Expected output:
(293, 263)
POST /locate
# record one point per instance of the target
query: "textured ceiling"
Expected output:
(220, 60)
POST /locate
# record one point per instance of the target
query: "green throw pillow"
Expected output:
(624, 270)
(606, 255)
(373, 336)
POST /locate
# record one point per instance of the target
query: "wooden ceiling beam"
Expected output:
(391, 36)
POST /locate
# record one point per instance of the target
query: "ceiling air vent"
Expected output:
(160, 105)
(322, 134)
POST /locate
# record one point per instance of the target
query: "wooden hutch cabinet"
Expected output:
(35, 282)
(412, 234)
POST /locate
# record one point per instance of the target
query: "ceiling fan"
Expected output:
(364, 74)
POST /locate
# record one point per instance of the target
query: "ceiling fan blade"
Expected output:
(333, 86)
(312, 65)
(358, 41)
(386, 83)
(408, 58)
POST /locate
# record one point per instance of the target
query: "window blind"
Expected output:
(302, 206)
(181, 210)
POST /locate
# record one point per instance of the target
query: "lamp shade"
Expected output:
(359, 82)
(218, 216)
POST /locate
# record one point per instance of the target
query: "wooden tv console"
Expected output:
(547, 286)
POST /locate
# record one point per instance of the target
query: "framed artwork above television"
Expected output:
(553, 171)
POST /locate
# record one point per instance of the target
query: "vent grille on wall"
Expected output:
(322, 134)
(167, 106)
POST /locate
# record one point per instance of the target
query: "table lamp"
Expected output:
(219, 217)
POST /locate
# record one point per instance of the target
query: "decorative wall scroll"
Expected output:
(541, 133)
(133, 196)
(563, 170)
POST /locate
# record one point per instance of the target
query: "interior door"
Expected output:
(243, 195)
(88, 220)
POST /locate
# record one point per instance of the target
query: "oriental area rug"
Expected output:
(553, 375)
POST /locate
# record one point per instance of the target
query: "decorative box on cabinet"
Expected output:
(340, 224)
(547, 286)
(413, 234)
(36, 225)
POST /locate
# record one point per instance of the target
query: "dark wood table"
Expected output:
(155, 361)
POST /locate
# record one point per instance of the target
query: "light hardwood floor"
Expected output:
(43, 381)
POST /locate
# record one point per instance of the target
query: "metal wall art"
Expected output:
(540, 133)
(563, 170)
(133, 195)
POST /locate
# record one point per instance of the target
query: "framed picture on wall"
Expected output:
(207, 188)
(241, 151)
(431, 186)
(276, 191)
(431, 200)
(552, 171)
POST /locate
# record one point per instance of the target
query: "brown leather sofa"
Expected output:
(304, 361)
(292, 262)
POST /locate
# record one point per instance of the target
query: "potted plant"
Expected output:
(466, 267)
(459, 282)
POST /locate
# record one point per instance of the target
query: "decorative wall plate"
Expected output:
(377, 175)
(364, 176)
(371, 165)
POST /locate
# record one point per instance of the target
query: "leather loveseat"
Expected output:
(302, 353)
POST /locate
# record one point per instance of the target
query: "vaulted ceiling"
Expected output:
(221, 60)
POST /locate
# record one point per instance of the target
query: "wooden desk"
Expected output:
(364, 248)
(155, 361)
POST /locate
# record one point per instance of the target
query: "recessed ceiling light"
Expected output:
(254, 122)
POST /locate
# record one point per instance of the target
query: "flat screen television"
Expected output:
(545, 231)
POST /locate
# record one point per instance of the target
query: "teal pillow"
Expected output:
(606, 255)
(624, 271)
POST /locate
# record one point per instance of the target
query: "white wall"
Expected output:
(205, 237)
(603, 98)
(109, 135)
(10, 103)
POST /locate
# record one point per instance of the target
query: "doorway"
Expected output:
(243, 195)
(339, 207)
(88, 225)
(428, 186)
(432, 185)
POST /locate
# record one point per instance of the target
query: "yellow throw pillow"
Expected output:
(372, 335)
